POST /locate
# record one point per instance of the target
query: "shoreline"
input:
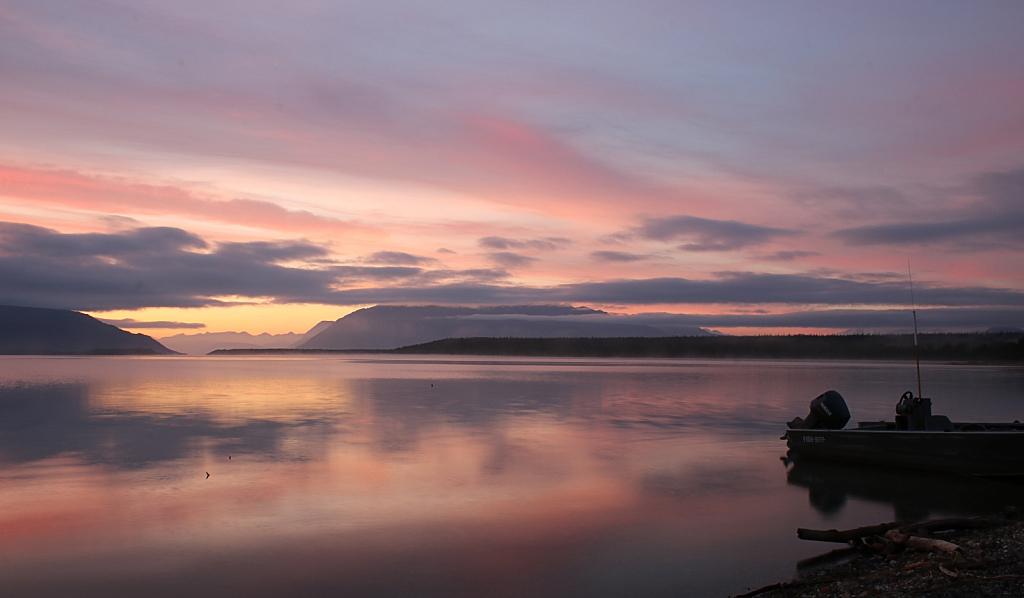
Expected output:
(986, 562)
(403, 351)
(987, 348)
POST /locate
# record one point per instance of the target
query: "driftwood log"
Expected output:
(917, 543)
(933, 525)
(890, 538)
(848, 535)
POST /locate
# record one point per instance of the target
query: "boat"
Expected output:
(916, 439)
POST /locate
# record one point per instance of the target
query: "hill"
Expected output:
(392, 326)
(38, 331)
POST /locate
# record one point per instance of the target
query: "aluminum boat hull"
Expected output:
(970, 449)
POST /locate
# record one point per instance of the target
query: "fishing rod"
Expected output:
(913, 309)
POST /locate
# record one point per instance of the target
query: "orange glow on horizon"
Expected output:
(258, 318)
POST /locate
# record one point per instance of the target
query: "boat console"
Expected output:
(915, 413)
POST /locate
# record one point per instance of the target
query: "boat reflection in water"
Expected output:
(914, 495)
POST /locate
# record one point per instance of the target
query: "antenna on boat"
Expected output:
(913, 308)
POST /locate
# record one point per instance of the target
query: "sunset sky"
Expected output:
(756, 166)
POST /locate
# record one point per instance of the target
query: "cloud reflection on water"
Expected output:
(49, 420)
(400, 477)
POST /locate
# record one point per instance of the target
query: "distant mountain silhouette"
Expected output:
(315, 330)
(392, 326)
(37, 331)
(1004, 329)
(204, 342)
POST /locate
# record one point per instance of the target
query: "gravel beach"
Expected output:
(989, 563)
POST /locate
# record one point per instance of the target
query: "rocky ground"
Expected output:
(989, 562)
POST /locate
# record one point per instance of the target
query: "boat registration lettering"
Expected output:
(814, 439)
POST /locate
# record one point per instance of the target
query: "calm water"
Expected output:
(368, 476)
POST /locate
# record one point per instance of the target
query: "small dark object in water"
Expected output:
(207, 474)
(229, 457)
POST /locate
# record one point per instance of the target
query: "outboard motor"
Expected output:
(828, 411)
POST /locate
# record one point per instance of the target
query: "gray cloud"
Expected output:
(854, 201)
(846, 319)
(119, 222)
(616, 256)
(546, 244)
(789, 256)
(161, 267)
(751, 288)
(265, 251)
(709, 235)
(995, 219)
(969, 233)
(188, 272)
(1003, 191)
(352, 274)
(169, 267)
(397, 258)
(474, 275)
(619, 238)
(28, 240)
(132, 323)
(729, 289)
(511, 260)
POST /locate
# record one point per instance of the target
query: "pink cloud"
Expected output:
(117, 195)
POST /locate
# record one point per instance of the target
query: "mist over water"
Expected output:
(386, 476)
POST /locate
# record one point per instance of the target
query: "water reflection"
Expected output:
(387, 477)
(48, 420)
(913, 495)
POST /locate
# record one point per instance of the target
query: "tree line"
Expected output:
(976, 347)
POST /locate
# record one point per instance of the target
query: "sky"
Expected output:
(752, 167)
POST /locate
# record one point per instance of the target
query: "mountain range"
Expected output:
(39, 331)
(27, 330)
(204, 342)
(393, 326)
